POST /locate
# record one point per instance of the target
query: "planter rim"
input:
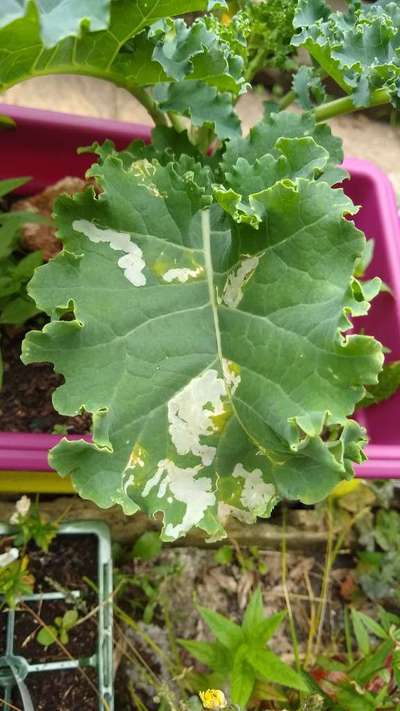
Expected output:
(73, 122)
(20, 451)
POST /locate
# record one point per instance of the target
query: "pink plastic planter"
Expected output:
(44, 146)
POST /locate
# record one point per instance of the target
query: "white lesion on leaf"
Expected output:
(132, 262)
(144, 170)
(257, 496)
(233, 290)
(136, 457)
(231, 372)
(183, 274)
(185, 487)
(191, 415)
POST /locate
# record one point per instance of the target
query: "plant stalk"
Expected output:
(345, 105)
(255, 64)
(150, 105)
(286, 100)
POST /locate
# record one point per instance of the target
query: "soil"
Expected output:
(68, 690)
(70, 561)
(26, 395)
(37, 236)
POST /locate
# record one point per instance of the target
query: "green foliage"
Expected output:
(131, 48)
(379, 567)
(15, 581)
(141, 591)
(224, 555)
(59, 631)
(283, 146)
(387, 385)
(16, 269)
(32, 526)
(222, 370)
(371, 682)
(203, 104)
(270, 30)
(147, 546)
(308, 87)
(358, 49)
(188, 301)
(58, 19)
(239, 656)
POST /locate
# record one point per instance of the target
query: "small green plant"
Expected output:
(59, 631)
(378, 568)
(367, 678)
(15, 578)
(31, 525)
(239, 657)
(249, 559)
(16, 267)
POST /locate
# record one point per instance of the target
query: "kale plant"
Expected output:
(211, 275)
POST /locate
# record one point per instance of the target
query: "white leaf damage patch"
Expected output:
(233, 290)
(182, 275)
(231, 374)
(185, 488)
(191, 412)
(257, 496)
(132, 263)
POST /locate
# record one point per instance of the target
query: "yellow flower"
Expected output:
(213, 699)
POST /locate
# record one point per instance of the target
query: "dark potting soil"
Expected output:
(69, 563)
(25, 398)
(67, 690)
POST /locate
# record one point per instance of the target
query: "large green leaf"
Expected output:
(119, 50)
(211, 355)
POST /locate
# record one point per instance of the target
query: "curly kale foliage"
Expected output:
(199, 68)
(213, 356)
(269, 32)
(360, 49)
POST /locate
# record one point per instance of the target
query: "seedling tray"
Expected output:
(16, 668)
(44, 145)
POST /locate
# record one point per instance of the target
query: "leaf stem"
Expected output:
(255, 64)
(150, 105)
(287, 99)
(345, 105)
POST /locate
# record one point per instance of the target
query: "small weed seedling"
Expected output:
(239, 658)
(59, 630)
(29, 525)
